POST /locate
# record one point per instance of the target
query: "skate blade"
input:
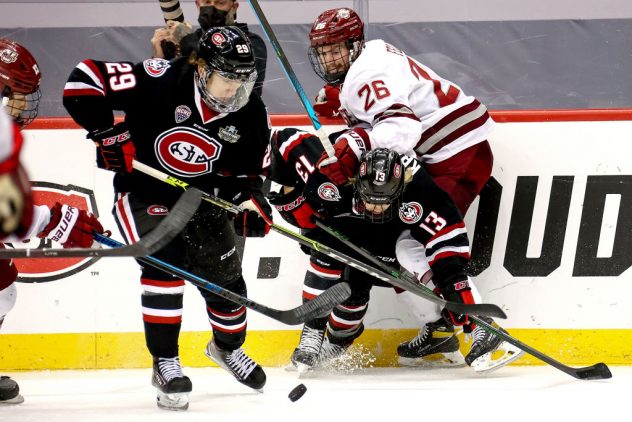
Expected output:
(15, 400)
(504, 354)
(436, 360)
(173, 401)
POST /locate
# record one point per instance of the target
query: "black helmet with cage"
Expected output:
(226, 71)
(379, 185)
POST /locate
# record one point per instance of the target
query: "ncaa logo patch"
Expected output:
(329, 192)
(411, 212)
(186, 151)
(182, 113)
(156, 67)
(38, 270)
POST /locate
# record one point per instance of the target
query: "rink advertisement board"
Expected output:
(551, 238)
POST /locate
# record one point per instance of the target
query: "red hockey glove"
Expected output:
(115, 149)
(256, 217)
(71, 227)
(349, 147)
(458, 292)
(328, 101)
(295, 209)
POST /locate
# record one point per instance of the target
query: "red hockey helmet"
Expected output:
(335, 26)
(19, 81)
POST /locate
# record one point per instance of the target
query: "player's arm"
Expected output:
(93, 92)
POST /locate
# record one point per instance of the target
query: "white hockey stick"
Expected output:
(171, 10)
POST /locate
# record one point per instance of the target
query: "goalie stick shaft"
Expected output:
(169, 227)
(322, 304)
(597, 371)
(171, 10)
(289, 72)
(479, 309)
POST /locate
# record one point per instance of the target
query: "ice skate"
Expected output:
(436, 346)
(305, 356)
(9, 392)
(240, 365)
(173, 387)
(488, 352)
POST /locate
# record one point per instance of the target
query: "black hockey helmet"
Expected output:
(227, 52)
(379, 185)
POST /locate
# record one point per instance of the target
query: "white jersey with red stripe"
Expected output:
(407, 107)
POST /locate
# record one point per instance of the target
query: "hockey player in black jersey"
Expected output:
(404, 219)
(194, 118)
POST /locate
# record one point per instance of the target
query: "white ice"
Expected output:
(515, 393)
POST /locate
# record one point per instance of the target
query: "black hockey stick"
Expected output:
(289, 72)
(322, 304)
(478, 309)
(597, 371)
(153, 241)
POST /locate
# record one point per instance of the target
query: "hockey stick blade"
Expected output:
(595, 372)
(152, 242)
(324, 303)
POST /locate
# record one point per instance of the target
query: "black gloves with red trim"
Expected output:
(349, 147)
(71, 227)
(256, 217)
(459, 292)
(115, 149)
(294, 208)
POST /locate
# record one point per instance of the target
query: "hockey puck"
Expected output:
(297, 392)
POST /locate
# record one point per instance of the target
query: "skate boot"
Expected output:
(489, 352)
(436, 346)
(305, 356)
(9, 392)
(330, 351)
(172, 385)
(244, 369)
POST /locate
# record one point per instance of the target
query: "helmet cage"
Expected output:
(23, 108)
(336, 26)
(379, 181)
(225, 105)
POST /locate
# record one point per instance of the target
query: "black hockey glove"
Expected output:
(115, 149)
(294, 209)
(458, 292)
(256, 217)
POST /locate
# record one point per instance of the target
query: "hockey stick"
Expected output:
(322, 304)
(289, 72)
(171, 10)
(478, 309)
(153, 241)
(597, 371)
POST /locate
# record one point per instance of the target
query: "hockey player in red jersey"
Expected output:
(196, 119)
(19, 217)
(390, 100)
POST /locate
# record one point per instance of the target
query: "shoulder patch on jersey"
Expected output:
(156, 67)
(411, 212)
(182, 113)
(329, 192)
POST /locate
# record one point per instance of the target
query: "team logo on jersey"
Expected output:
(157, 210)
(186, 151)
(218, 39)
(37, 270)
(411, 212)
(156, 67)
(182, 113)
(329, 192)
(229, 134)
(8, 56)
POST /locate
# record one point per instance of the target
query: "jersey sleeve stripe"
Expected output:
(447, 234)
(444, 253)
(466, 129)
(395, 110)
(450, 123)
(293, 141)
(81, 89)
(90, 69)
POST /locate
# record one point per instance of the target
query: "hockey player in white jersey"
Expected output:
(390, 100)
